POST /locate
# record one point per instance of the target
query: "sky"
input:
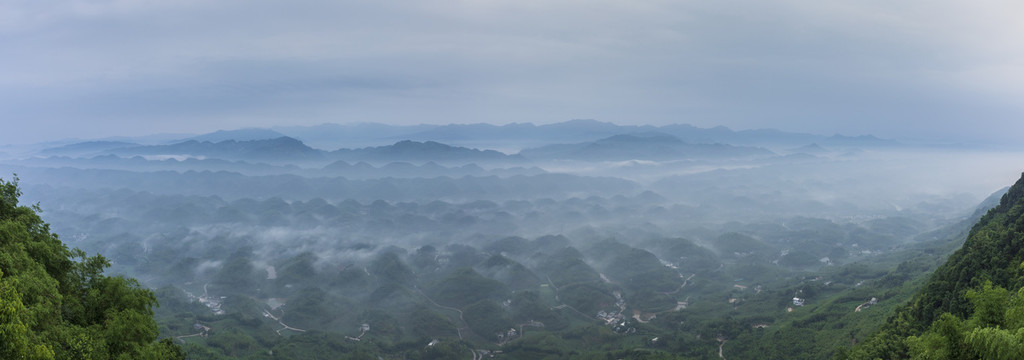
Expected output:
(938, 69)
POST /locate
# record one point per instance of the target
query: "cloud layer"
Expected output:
(935, 69)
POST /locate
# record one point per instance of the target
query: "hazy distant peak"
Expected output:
(585, 122)
(645, 137)
(871, 140)
(650, 197)
(276, 141)
(425, 145)
(284, 140)
(588, 125)
(238, 135)
(280, 148)
(410, 150)
(858, 137)
(409, 146)
(526, 134)
(87, 147)
(812, 148)
(639, 146)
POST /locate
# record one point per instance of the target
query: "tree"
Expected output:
(14, 333)
(55, 302)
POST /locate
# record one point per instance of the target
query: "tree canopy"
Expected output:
(56, 303)
(966, 310)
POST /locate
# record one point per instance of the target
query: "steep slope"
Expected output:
(990, 261)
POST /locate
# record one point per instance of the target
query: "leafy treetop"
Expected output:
(55, 302)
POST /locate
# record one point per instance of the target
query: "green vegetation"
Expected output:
(55, 302)
(230, 293)
(464, 287)
(662, 297)
(965, 310)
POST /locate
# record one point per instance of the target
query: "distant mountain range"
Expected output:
(571, 140)
(87, 148)
(349, 170)
(509, 138)
(408, 150)
(642, 146)
(237, 135)
(525, 135)
(282, 148)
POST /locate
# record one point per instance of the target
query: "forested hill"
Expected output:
(55, 303)
(973, 305)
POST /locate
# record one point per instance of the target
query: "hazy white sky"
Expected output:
(909, 69)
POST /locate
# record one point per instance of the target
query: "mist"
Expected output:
(614, 231)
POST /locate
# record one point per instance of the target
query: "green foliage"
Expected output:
(14, 332)
(425, 323)
(690, 257)
(444, 349)
(566, 271)
(513, 274)
(390, 269)
(314, 308)
(732, 245)
(588, 297)
(799, 258)
(547, 281)
(464, 287)
(982, 336)
(487, 319)
(54, 306)
(640, 269)
(971, 285)
(237, 274)
(385, 327)
(527, 306)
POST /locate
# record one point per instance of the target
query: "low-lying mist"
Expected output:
(465, 249)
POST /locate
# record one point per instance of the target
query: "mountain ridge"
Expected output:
(992, 256)
(640, 146)
(331, 135)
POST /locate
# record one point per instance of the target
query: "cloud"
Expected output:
(914, 68)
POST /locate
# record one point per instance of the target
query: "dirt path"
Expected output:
(284, 327)
(357, 338)
(564, 305)
(687, 281)
(181, 338)
(866, 305)
(536, 324)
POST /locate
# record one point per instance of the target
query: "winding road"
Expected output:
(285, 327)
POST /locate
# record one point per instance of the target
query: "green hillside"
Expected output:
(55, 302)
(972, 307)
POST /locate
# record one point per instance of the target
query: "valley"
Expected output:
(725, 252)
